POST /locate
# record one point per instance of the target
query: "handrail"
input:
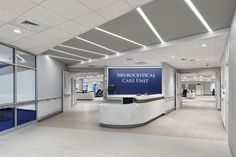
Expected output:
(25, 103)
(47, 99)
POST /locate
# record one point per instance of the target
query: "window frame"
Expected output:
(14, 64)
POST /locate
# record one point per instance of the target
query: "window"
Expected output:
(25, 59)
(25, 84)
(17, 87)
(6, 54)
(6, 118)
(26, 114)
(6, 83)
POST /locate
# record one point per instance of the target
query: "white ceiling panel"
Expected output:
(17, 6)
(90, 20)
(6, 16)
(72, 28)
(42, 38)
(44, 16)
(96, 4)
(66, 8)
(115, 10)
(38, 1)
(26, 43)
(56, 34)
(8, 32)
(137, 3)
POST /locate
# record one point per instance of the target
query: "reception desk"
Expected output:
(142, 110)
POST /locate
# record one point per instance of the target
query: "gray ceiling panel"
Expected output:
(80, 53)
(84, 45)
(173, 19)
(55, 53)
(108, 41)
(133, 27)
(217, 13)
(67, 62)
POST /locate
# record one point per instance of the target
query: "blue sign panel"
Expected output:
(134, 80)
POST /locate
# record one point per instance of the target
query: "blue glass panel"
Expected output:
(6, 118)
(26, 114)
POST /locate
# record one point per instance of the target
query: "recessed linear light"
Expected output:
(118, 36)
(75, 48)
(198, 14)
(90, 42)
(17, 31)
(140, 11)
(63, 52)
(65, 58)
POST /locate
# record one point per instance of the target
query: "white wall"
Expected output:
(49, 85)
(232, 88)
(49, 77)
(168, 80)
(225, 87)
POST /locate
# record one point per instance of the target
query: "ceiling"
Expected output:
(187, 53)
(58, 20)
(61, 21)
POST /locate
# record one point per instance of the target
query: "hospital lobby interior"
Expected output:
(117, 78)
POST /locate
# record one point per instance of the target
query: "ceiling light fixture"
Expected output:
(118, 36)
(204, 45)
(63, 52)
(140, 11)
(173, 57)
(75, 48)
(198, 14)
(17, 31)
(90, 42)
(65, 58)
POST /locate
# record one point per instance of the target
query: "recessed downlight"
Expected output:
(204, 45)
(17, 31)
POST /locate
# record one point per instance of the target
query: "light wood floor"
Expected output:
(198, 118)
(77, 134)
(41, 141)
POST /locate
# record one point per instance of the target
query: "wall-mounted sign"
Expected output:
(135, 80)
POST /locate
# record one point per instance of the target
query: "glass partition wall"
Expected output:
(17, 87)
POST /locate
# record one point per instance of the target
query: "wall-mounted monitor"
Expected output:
(134, 80)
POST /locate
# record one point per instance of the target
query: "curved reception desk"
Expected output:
(138, 112)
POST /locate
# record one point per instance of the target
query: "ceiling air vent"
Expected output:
(26, 22)
(30, 25)
(140, 63)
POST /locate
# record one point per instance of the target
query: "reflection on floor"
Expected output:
(198, 118)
